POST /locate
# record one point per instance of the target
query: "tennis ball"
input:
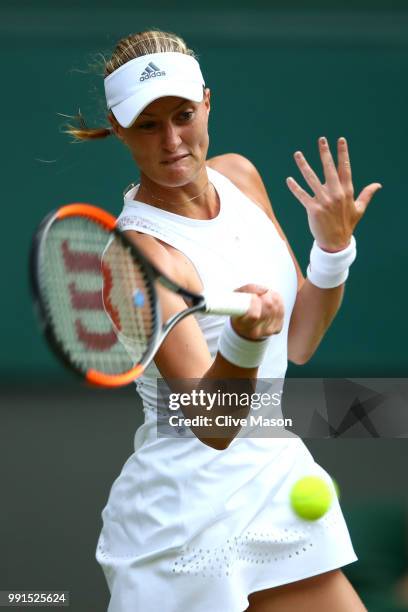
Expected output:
(311, 497)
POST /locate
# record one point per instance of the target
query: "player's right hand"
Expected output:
(265, 315)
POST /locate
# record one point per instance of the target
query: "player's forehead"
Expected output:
(164, 105)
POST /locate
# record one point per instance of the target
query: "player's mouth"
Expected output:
(173, 160)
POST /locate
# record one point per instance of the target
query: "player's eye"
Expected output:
(187, 114)
(184, 116)
(146, 126)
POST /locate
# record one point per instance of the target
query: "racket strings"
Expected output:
(99, 301)
(125, 283)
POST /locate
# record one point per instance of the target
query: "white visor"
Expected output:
(136, 84)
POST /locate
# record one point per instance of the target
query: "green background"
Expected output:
(281, 74)
(280, 78)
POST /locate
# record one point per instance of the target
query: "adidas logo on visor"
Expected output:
(151, 71)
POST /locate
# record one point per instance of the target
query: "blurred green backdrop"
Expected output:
(281, 75)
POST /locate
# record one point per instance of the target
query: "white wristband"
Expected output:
(327, 270)
(240, 351)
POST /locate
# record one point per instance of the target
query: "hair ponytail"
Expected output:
(80, 130)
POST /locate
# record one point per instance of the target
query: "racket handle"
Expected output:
(231, 303)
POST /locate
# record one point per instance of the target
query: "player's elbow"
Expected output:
(299, 351)
(299, 358)
(217, 443)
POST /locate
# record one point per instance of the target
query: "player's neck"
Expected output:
(197, 200)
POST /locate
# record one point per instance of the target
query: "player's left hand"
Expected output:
(333, 213)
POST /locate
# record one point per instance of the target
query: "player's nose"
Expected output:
(171, 138)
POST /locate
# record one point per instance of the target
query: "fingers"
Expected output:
(246, 324)
(333, 212)
(338, 180)
(344, 166)
(264, 317)
(329, 168)
(252, 288)
(365, 197)
(308, 174)
(251, 318)
(299, 193)
(272, 314)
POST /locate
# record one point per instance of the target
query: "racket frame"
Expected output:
(108, 222)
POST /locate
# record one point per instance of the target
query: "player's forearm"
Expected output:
(222, 369)
(232, 375)
(312, 315)
(221, 381)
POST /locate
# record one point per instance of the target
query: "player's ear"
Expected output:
(207, 96)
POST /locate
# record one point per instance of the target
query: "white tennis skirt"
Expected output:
(187, 527)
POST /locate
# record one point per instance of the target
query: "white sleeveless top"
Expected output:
(239, 246)
(186, 524)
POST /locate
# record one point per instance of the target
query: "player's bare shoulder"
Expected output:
(231, 165)
(243, 173)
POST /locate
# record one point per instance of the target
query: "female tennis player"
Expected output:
(204, 524)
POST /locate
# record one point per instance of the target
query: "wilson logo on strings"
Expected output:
(77, 262)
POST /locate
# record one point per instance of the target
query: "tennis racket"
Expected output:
(97, 296)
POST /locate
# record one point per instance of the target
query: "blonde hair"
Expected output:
(134, 45)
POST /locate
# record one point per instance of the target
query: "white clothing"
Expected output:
(188, 527)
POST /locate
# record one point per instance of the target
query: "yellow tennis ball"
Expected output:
(311, 497)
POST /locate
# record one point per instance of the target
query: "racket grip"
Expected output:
(231, 303)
